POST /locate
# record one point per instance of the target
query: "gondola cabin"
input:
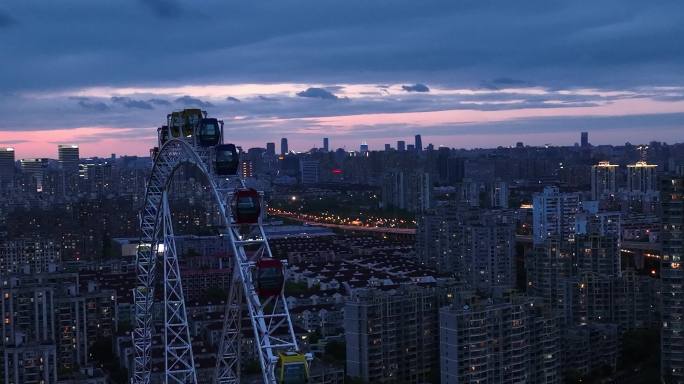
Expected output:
(175, 121)
(226, 160)
(246, 206)
(190, 120)
(269, 277)
(154, 152)
(163, 134)
(209, 132)
(292, 368)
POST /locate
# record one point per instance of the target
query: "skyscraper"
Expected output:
(554, 214)
(6, 164)
(36, 168)
(672, 278)
(602, 179)
(419, 143)
(401, 145)
(283, 146)
(388, 147)
(363, 149)
(326, 145)
(499, 340)
(270, 149)
(391, 337)
(642, 177)
(68, 157)
(584, 137)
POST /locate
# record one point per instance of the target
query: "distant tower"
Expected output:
(364, 149)
(283, 146)
(642, 177)
(326, 145)
(68, 157)
(602, 179)
(419, 143)
(35, 168)
(585, 140)
(388, 147)
(270, 149)
(6, 164)
(401, 145)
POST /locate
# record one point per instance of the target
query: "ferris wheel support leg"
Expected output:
(228, 356)
(178, 357)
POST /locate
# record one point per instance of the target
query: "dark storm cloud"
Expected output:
(415, 88)
(193, 101)
(132, 103)
(607, 43)
(91, 105)
(318, 93)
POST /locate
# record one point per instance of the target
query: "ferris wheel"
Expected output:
(257, 279)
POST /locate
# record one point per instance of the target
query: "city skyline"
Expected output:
(342, 75)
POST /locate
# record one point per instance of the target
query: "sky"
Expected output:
(461, 73)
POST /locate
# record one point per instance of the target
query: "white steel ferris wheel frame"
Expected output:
(269, 317)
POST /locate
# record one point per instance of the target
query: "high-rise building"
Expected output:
(391, 337)
(498, 194)
(388, 147)
(411, 148)
(364, 149)
(499, 340)
(411, 191)
(35, 169)
(37, 255)
(584, 140)
(603, 179)
(642, 177)
(6, 164)
(69, 157)
(672, 278)
(51, 322)
(475, 246)
(326, 145)
(419, 144)
(283, 146)
(401, 145)
(554, 214)
(308, 171)
(270, 149)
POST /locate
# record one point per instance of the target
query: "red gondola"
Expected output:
(269, 277)
(246, 206)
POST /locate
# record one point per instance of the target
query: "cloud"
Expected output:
(266, 98)
(131, 103)
(159, 102)
(233, 99)
(91, 105)
(193, 101)
(415, 88)
(584, 44)
(318, 93)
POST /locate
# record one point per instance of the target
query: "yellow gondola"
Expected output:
(292, 368)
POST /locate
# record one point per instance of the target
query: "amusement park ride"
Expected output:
(257, 280)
